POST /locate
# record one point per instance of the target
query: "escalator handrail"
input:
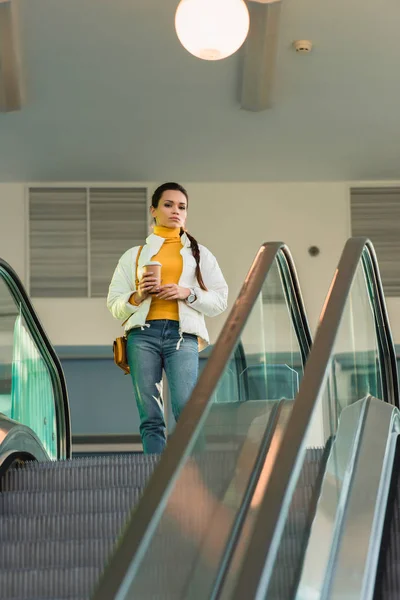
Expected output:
(48, 354)
(295, 301)
(122, 567)
(388, 349)
(256, 569)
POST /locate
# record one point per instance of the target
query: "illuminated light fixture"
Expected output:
(212, 29)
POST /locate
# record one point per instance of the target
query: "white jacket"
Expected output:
(191, 317)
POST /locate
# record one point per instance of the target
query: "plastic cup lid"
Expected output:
(153, 263)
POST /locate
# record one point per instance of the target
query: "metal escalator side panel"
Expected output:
(366, 506)
(18, 443)
(343, 547)
(387, 582)
(343, 453)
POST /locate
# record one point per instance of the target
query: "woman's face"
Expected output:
(172, 210)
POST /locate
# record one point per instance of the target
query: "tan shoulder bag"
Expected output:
(119, 346)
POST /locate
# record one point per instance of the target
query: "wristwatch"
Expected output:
(192, 297)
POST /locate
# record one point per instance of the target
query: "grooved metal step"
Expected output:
(59, 527)
(66, 502)
(59, 522)
(80, 474)
(64, 554)
(48, 583)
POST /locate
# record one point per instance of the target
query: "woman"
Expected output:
(165, 327)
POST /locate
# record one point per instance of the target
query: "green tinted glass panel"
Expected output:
(355, 369)
(8, 316)
(26, 391)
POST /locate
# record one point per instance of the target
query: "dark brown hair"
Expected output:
(165, 187)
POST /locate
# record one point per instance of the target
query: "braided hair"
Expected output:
(194, 244)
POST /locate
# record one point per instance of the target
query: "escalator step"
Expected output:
(55, 554)
(59, 527)
(51, 555)
(79, 477)
(59, 521)
(69, 502)
(308, 473)
(314, 454)
(48, 583)
(131, 470)
(295, 533)
(302, 490)
(91, 461)
(70, 554)
(390, 577)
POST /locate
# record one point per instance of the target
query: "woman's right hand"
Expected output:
(147, 284)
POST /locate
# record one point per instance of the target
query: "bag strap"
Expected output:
(136, 280)
(137, 265)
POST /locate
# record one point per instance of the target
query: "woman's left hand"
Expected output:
(173, 291)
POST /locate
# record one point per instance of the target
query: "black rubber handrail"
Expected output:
(294, 301)
(44, 346)
(387, 348)
(124, 563)
(258, 563)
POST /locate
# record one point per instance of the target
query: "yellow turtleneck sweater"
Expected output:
(172, 264)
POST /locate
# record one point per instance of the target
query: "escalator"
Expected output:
(269, 495)
(345, 539)
(169, 527)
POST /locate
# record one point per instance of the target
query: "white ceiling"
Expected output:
(111, 95)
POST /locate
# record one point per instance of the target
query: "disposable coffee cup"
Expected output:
(154, 267)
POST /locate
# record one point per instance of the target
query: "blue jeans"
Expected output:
(150, 350)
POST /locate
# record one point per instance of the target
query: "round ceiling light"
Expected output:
(212, 29)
